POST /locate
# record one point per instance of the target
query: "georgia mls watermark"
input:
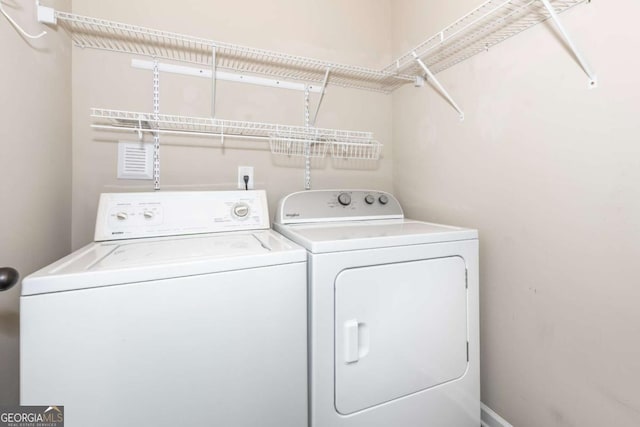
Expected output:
(32, 416)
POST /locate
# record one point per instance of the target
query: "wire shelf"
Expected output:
(88, 32)
(284, 139)
(484, 27)
(356, 150)
(295, 147)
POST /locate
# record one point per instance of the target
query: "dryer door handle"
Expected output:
(351, 341)
(356, 340)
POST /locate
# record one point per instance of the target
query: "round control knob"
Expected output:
(147, 215)
(122, 216)
(344, 199)
(369, 199)
(241, 210)
(383, 199)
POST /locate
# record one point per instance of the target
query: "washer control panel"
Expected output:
(136, 215)
(337, 205)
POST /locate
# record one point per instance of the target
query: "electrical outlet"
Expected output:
(242, 171)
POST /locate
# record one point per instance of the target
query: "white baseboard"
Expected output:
(491, 419)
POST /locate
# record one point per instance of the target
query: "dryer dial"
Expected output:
(344, 199)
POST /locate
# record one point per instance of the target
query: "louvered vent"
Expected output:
(135, 160)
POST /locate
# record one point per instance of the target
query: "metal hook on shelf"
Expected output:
(17, 26)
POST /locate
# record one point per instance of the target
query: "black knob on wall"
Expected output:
(8, 277)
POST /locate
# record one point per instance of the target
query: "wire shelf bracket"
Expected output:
(438, 85)
(593, 79)
(322, 92)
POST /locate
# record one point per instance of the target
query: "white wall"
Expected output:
(355, 32)
(549, 172)
(35, 166)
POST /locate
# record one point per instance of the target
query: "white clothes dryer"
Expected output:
(393, 309)
(186, 311)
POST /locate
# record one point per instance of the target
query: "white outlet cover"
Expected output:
(135, 160)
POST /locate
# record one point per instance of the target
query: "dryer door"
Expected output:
(399, 329)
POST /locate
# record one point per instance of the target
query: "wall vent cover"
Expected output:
(135, 160)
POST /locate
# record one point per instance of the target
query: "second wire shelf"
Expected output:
(283, 139)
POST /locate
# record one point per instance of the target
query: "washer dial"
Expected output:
(241, 210)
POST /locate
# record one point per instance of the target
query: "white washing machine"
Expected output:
(393, 309)
(204, 326)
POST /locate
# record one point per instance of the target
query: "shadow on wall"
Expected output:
(10, 324)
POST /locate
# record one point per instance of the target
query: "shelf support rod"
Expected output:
(593, 80)
(156, 119)
(213, 82)
(322, 92)
(307, 142)
(437, 84)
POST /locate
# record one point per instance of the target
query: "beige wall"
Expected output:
(355, 32)
(549, 172)
(35, 163)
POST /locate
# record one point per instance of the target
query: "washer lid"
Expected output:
(136, 260)
(356, 235)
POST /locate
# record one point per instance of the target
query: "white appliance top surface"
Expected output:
(369, 234)
(135, 260)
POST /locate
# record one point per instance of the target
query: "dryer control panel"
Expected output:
(337, 205)
(136, 215)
